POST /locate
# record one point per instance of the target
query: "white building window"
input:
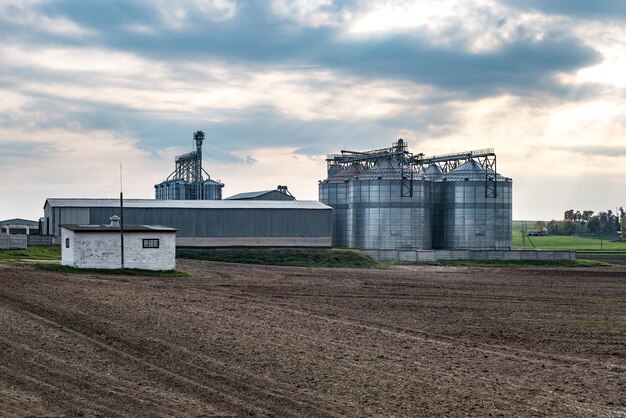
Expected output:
(67, 243)
(151, 243)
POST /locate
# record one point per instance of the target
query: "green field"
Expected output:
(524, 263)
(560, 242)
(34, 252)
(302, 257)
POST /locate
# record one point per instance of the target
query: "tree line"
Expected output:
(577, 222)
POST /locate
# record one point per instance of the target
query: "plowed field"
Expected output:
(254, 340)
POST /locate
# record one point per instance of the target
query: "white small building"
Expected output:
(147, 247)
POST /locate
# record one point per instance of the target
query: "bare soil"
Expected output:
(239, 340)
(616, 259)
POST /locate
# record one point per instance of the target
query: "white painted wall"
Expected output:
(102, 250)
(67, 254)
(162, 258)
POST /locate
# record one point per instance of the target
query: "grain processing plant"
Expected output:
(390, 199)
(187, 181)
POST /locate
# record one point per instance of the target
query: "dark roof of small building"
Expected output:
(19, 221)
(109, 228)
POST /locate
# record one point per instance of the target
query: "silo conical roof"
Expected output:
(383, 170)
(432, 172)
(470, 171)
(346, 174)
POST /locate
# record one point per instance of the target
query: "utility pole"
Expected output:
(121, 219)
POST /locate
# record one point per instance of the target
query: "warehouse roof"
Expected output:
(187, 204)
(249, 195)
(109, 228)
(254, 195)
(19, 221)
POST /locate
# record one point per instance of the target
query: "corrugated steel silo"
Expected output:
(212, 190)
(382, 216)
(433, 173)
(334, 192)
(473, 209)
(172, 190)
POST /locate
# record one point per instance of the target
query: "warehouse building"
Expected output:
(147, 247)
(205, 223)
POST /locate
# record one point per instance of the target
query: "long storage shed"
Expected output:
(205, 223)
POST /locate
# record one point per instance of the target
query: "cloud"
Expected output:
(520, 67)
(598, 150)
(277, 84)
(584, 9)
(254, 34)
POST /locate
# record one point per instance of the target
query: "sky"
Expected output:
(276, 85)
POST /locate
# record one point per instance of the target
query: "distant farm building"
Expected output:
(147, 247)
(19, 226)
(280, 193)
(206, 223)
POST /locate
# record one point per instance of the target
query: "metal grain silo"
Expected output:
(433, 174)
(172, 190)
(334, 192)
(474, 209)
(389, 209)
(212, 190)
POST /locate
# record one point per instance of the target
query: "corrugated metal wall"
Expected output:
(380, 218)
(212, 190)
(195, 222)
(468, 220)
(336, 196)
(53, 217)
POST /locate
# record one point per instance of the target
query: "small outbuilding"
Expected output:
(147, 247)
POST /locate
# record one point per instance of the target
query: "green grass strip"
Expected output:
(295, 257)
(34, 252)
(525, 263)
(126, 272)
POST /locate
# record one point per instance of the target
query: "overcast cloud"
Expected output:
(277, 84)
